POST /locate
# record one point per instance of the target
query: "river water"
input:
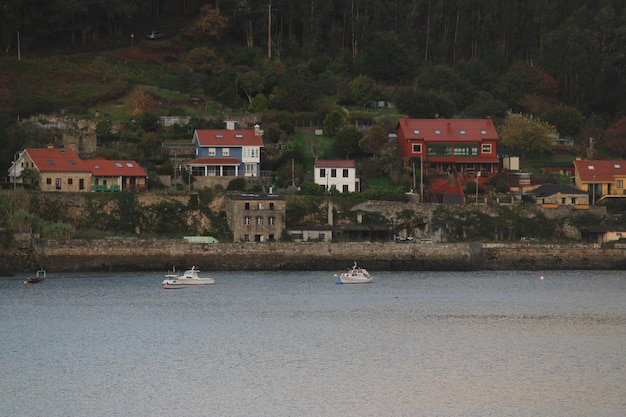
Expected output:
(504, 343)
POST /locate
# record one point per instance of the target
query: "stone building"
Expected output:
(256, 217)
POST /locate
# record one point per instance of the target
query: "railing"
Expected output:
(106, 188)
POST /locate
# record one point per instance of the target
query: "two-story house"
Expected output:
(465, 147)
(601, 179)
(227, 152)
(256, 217)
(60, 169)
(116, 175)
(337, 174)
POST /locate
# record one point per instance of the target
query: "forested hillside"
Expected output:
(560, 60)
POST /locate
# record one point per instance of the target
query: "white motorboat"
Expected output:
(191, 277)
(355, 275)
(172, 284)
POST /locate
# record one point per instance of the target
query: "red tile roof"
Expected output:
(448, 130)
(338, 163)
(56, 159)
(101, 167)
(224, 137)
(214, 161)
(599, 171)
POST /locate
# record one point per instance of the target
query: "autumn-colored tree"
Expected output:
(205, 59)
(374, 141)
(210, 25)
(526, 135)
(614, 138)
(140, 102)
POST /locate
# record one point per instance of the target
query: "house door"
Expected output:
(250, 170)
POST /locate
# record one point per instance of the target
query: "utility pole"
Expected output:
(421, 179)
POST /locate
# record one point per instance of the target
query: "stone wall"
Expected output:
(159, 254)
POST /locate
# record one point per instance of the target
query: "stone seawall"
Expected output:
(162, 254)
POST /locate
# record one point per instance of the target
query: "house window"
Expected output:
(345, 188)
(465, 150)
(212, 152)
(57, 183)
(345, 173)
(271, 206)
(271, 238)
(70, 181)
(462, 132)
(81, 184)
(259, 206)
(246, 221)
(333, 173)
(225, 152)
(417, 148)
(321, 236)
(416, 132)
(271, 220)
(486, 149)
(437, 132)
(49, 181)
(259, 221)
(246, 206)
(322, 172)
(620, 183)
(246, 238)
(483, 132)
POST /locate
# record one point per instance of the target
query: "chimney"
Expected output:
(257, 130)
(51, 146)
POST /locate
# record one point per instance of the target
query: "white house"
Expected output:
(338, 174)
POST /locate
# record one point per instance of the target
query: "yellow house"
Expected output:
(601, 179)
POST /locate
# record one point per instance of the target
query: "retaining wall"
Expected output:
(160, 254)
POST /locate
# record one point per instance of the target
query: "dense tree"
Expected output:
(526, 136)
(363, 90)
(347, 141)
(334, 121)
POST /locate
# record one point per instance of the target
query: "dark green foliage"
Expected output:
(238, 184)
(299, 208)
(422, 104)
(126, 217)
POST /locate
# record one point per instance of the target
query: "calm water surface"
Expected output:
(500, 343)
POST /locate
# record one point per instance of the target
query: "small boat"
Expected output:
(355, 275)
(39, 277)
(171, 274)
(172, 284)
(191, 277)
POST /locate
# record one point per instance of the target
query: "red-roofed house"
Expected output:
(462, 147)
(116, 175)
(60, 169)
(338, 174)
(602, 179)
(227, 152)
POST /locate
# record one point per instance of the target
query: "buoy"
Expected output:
(339, 282)
(541, 277)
